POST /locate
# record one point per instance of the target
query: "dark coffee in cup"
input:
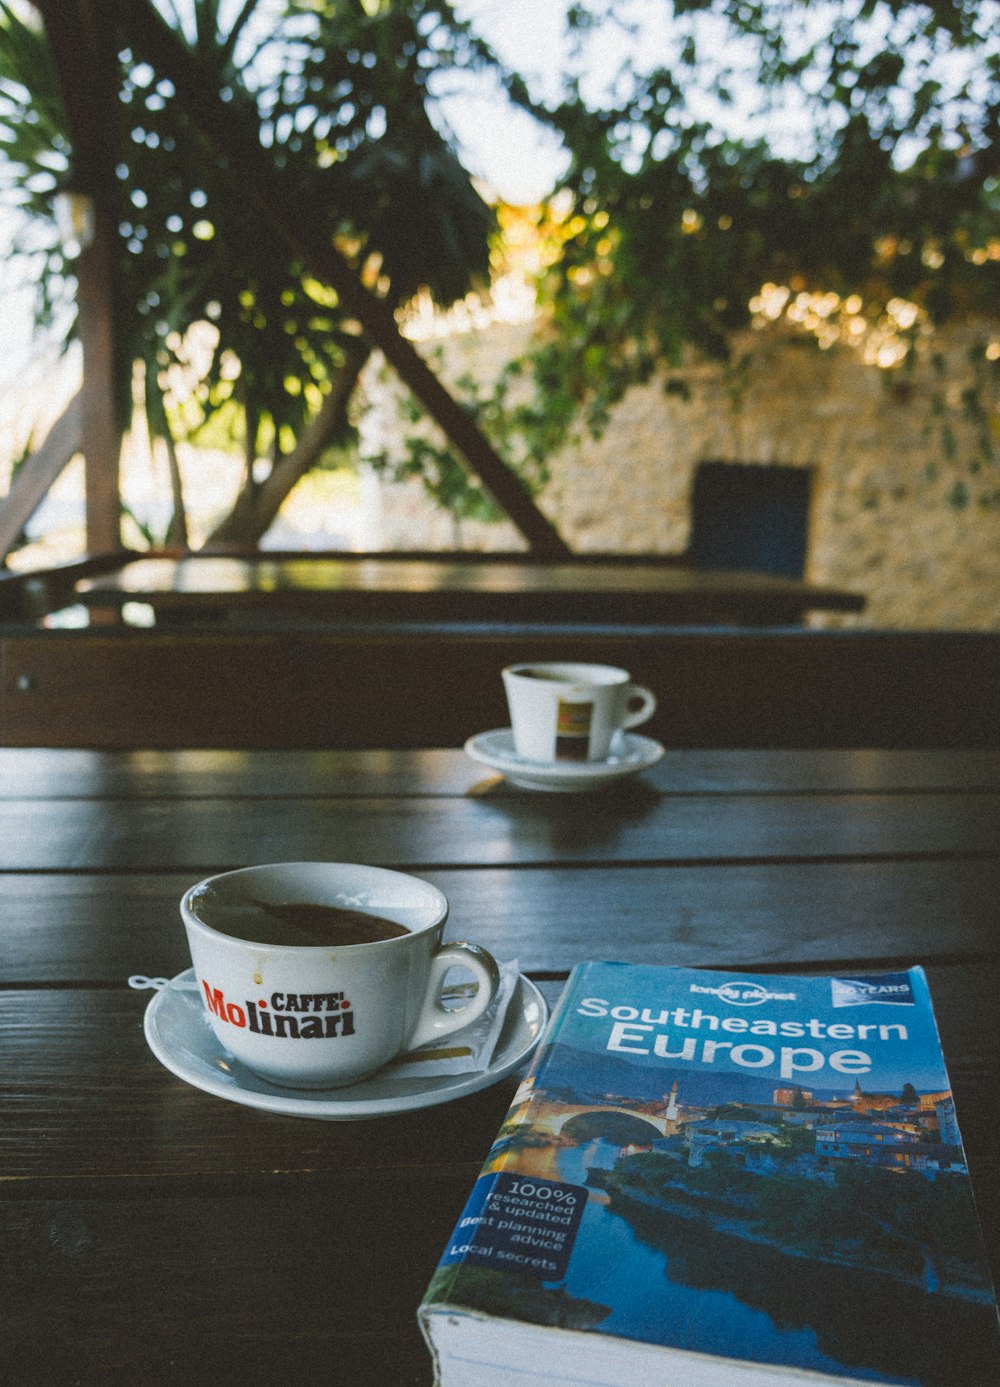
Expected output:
(294, 923)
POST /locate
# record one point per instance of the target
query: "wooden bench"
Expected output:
(435, 686)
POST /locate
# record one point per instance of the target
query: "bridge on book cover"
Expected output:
(587, 1121)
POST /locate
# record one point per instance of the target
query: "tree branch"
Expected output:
(263, 187)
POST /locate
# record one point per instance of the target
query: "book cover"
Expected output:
(723, 1179)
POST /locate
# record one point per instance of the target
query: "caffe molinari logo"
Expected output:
(285, 1015)
(744, 994)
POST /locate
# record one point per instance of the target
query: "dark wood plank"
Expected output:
(85, 1100)
(970, 1039)
(407, 686)
(734, 771)
(73, 773)
(309, 1284)
(630, 823)
(66, 773)
(95, 929)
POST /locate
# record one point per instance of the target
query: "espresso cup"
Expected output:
(317, 974)
(570, 712)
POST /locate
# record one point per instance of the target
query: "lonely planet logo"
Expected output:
(744, 994)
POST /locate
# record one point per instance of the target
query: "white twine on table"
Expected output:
(141, 983)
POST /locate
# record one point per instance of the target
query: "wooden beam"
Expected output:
(269, 195)
(38, 473)
(101, 426)
(86, 62)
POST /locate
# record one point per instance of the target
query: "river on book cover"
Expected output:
(827, 1229)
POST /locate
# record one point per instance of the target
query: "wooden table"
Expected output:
(155, 1234)
(356, 587)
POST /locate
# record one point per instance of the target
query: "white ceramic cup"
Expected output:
(570, 712)
(307, 1015)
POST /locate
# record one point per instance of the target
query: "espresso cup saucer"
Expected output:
(629, 754)
(179, 1034)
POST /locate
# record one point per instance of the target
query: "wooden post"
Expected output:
(82, 45)
(101, 429)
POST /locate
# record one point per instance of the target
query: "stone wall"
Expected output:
(905, 486)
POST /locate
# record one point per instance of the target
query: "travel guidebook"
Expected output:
(715, 1180)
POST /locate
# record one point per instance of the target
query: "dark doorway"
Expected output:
(750, 517)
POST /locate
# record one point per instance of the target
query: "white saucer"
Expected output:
(179, 1035)
(629, 754)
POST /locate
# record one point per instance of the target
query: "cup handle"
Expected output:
(436, 1020)
(648, 708)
